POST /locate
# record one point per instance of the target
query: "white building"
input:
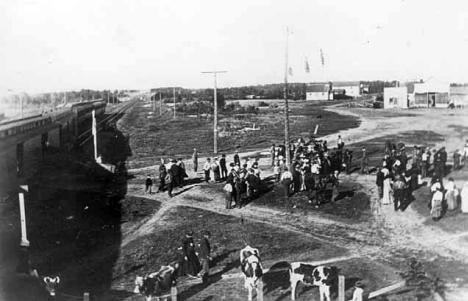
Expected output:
(431, 93)
(396, 98)
(318, 92)
(459, 96)
(350, 88)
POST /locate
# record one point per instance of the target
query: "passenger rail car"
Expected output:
(23, 125)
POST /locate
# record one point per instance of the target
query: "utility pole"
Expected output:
(160, 103)
(173, 90)
(286, 105)
(154, 101)
(215, 126)
(21, 105)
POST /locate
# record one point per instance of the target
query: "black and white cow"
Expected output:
(50, 283)
(322, 276)
(156, 284)
(251, 267)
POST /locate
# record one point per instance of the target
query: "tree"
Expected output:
(220, 101)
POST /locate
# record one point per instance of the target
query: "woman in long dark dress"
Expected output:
(192, 263)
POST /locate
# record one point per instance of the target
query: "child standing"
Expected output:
(149, 184)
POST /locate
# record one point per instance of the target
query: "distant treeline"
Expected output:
(296, 91)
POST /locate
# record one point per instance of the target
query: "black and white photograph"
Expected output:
(210, 150)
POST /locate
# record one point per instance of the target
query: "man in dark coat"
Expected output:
(222, 165)
(195, 160)
(456, 160)
(192, 262)
(379, 182)
(236, 159)
(232, 179)
(204, 253)
(296, 172)
(326, 165)
(162, 176)
(443, 160)
(182, 173)
(170, 182)
(438, 165)
(175, 172)
(348, 159)
(399, 192)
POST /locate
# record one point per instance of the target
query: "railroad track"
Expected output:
(113, 116)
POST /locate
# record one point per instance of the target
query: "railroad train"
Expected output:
(70, 117)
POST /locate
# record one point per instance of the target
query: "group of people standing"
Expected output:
(171, 175)
(191, 263)
(396, 184)
(314, 168)
(245, 179)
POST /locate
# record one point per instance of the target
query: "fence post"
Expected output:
(260, 290)
(174, 293)
(341, 288)
(86, 297)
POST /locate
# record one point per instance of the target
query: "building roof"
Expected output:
(346, 84)
(317, 88)
(459, 90)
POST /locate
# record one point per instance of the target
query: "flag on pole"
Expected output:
(307, 68)
(290, 71)
(322, 58)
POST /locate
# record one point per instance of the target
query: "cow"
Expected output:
(322, 276)
(251, 267)
(156, 284)
(51, 285)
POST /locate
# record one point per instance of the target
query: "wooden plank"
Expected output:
(341, 288)
(386, 289)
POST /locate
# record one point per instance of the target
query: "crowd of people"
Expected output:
(315, 169)
(396, 183)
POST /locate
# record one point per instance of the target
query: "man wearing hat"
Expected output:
(358, 291)
(175, 171)
(206, 169)
(192, 263)
(204, 253)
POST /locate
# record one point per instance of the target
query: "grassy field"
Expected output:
(158, 137)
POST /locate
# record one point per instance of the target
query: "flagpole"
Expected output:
(286, 105)
(160, 103)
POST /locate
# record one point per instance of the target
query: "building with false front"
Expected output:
(431, 93)
(316, 92)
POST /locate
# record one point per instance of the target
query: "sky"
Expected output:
(63, 45)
